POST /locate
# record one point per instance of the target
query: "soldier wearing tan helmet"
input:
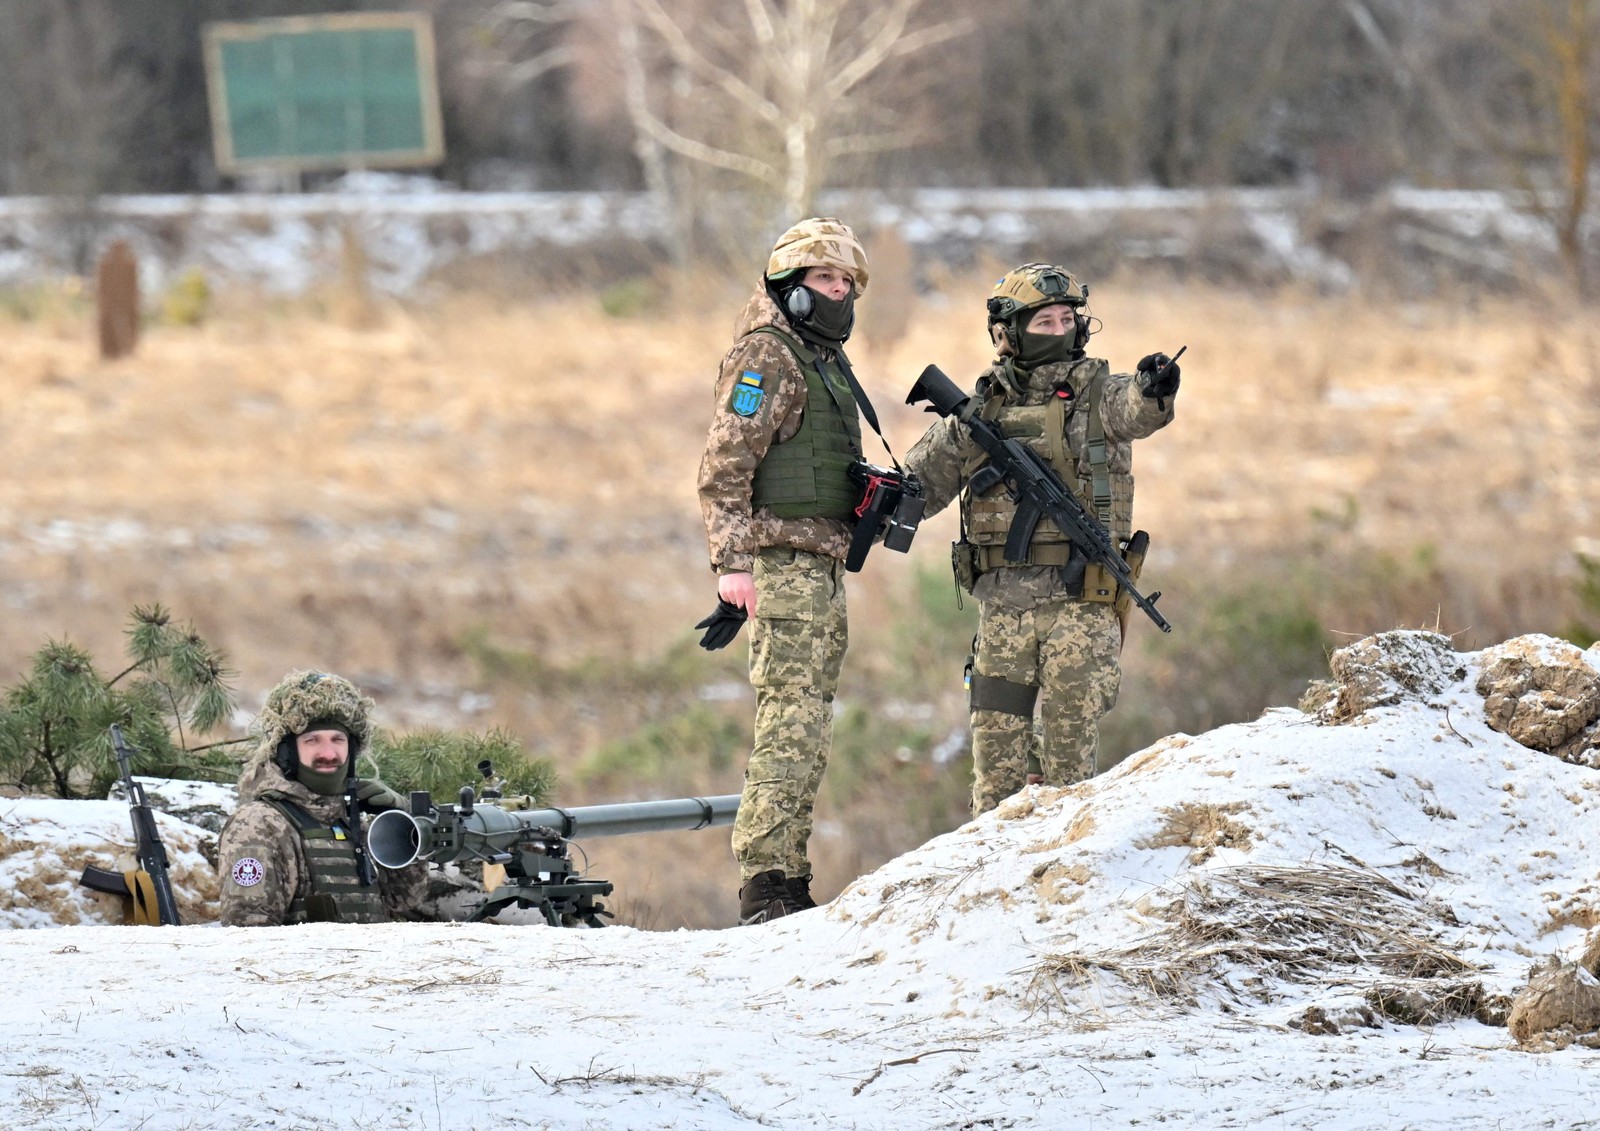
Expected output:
(290, 853)
(778, 508)
(1050, 629)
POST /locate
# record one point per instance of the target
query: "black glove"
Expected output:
(375, 797)
(1158, 375)
(721, 626)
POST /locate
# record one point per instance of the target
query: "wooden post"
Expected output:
(117, 300)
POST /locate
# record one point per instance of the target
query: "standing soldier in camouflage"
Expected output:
(288, 854)
(778, 506)
(1048, 622)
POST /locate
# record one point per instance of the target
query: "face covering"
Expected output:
(831, 320)
(328, 783)
(1041, 349)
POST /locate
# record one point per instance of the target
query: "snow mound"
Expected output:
(1235, 929)
(45, 845)
(1392, 852)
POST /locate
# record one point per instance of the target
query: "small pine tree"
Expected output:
(441, 762)
(54, 725)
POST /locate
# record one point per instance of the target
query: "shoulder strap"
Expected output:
(808, 356)
(304, 823)
(1096, 441)
(865, 405)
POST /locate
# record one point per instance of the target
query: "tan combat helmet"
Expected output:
(305, 697)
(821, 241)
(1028, 288)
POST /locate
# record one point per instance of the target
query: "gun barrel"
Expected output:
(396, 838)
(636, 816)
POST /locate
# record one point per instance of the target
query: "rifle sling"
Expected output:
(146, 911)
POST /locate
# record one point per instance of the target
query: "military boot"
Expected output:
(800, 891)
(764, 897)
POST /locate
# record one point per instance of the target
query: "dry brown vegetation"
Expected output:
(483, 508)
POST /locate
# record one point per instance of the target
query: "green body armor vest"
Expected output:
(337, 894)
(986, 520)
(807, 475)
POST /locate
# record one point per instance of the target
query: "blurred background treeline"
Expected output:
(109, 95)
(474, 494)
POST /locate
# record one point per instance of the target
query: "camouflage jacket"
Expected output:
(259, 832)
(947, 455)
(737, 444)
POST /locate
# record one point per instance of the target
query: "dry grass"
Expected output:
(483, 460)
(1241, 929)
(364, 499)
(1202, 829)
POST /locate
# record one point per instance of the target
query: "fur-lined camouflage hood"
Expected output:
(302, 698)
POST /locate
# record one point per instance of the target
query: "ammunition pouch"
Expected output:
(1098, 585)
(991, 693)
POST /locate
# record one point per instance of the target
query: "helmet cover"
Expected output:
(821, 241)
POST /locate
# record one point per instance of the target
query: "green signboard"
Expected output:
(324, 92)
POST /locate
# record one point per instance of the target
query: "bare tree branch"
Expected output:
(884, 142)
(709, 154)
(686, 53)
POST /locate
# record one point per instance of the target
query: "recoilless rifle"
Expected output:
(1035, 487)
(148, 885)
(531, 844)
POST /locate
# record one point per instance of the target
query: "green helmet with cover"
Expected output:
(1028, 288)
(313, 700)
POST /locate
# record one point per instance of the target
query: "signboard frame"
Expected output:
(431, 152)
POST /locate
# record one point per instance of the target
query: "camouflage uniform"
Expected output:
(1035, 638)
(266, 876)
(798, 636)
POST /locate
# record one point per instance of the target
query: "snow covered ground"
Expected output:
(1237, 929)
(412, 228)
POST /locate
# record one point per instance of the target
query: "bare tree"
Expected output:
(74, 96)
(774, 93)
(1517, 79)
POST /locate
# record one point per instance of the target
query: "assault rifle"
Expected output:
(148, 886)
(1034, 485)
(532, 845)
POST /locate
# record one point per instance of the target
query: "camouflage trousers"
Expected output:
(1066, 649)
(797, 644)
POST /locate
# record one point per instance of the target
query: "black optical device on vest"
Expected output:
(891, 504)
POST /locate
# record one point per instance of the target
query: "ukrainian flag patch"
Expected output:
(747, 394)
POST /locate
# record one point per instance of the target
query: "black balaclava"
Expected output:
(817, 317)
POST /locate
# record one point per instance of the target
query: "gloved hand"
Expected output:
(375, 797)
(722, 625)
(1156, 381)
